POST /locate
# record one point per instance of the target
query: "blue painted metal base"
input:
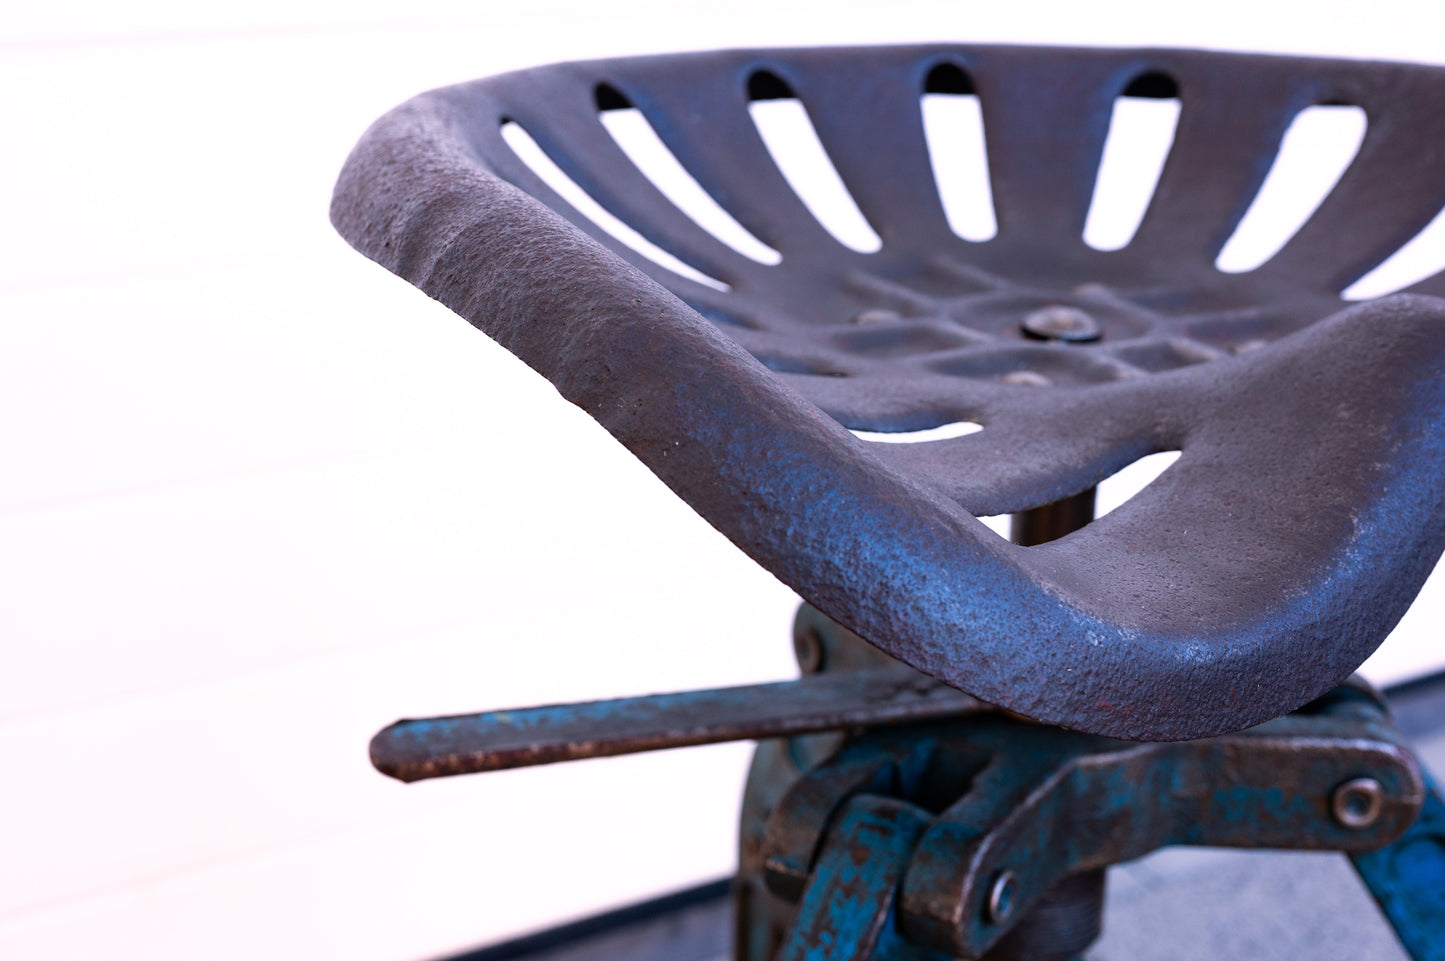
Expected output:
(985, 837)
(1407, 880)
(847, 909)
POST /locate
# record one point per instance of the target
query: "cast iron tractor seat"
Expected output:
(1257, 572)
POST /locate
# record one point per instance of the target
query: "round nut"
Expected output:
(1067, 324)
(808, 648)
(1357, 803)
(1001, 897)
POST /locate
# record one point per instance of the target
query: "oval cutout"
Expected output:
(639, 140)
(958, 152)
(788, 134)
(531, 153)
(1123, 485)
(998, 523)
(1423, 256)
(961, 428)
(1141, 134)
(1318, 147)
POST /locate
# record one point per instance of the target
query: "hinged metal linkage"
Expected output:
(1011, 825)
(938, 827)
(998, 813)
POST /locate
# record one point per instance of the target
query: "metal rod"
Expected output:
(412, 750)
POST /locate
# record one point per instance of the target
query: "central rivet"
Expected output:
(1069, 324)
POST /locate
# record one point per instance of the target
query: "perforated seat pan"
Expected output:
(1297, 525)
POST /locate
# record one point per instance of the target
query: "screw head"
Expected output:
(1358, 803)
(1068, 324)
(808, 648)
(1001, 897)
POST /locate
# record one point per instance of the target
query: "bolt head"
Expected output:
(1067, 324)
(1358, 803)
(1001, 897)
(808, 648)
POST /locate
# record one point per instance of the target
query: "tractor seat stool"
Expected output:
(983, 725)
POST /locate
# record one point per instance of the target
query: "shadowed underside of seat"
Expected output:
(1305, 509)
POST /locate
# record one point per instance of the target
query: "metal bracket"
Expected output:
(1013, 809)
(1407, 880)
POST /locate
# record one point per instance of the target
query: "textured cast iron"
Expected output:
(1259, 570)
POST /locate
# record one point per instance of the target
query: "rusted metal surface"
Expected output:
(1012, 810)
(1022, 820)
(412, 750)
(1308, 504)
(848, 907)
(1407, 880)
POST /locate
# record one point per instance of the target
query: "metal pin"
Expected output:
(1357, 804)
(1001, 898)
(808, 648)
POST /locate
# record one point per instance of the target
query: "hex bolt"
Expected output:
(1068, 324)
(1001, 898)
(1357, 803)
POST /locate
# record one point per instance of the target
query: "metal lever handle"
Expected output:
(413, 750)
(846, 912)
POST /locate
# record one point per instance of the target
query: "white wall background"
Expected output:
(260, 498)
